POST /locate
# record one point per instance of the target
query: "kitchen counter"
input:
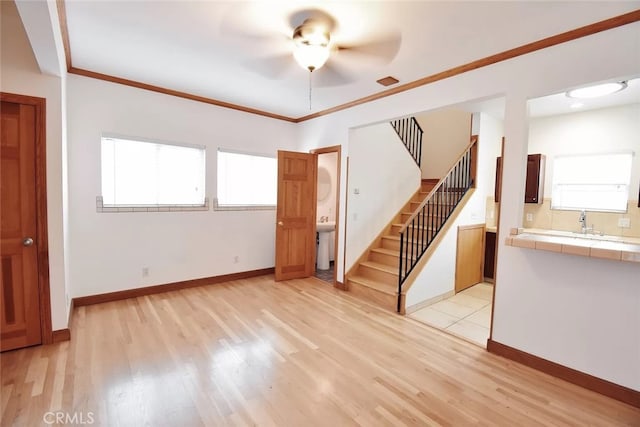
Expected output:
(595, 246)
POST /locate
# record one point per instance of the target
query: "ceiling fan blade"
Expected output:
(382, 49)
(331, 74)
(272, 67)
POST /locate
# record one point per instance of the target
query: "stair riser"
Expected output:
(385, 259)
(378, 275)
(373, 296)
(394, 245)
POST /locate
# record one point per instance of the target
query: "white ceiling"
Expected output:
(560, 103)
(217, 49)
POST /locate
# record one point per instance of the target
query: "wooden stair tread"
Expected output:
(376, 285)
(381, 267)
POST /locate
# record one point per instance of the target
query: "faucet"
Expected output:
(583, 222)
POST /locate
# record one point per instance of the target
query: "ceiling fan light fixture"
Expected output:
(596, 90)
(311, 45)
(311, 57)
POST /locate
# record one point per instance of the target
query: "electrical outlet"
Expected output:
(236, 259)
(624, 222)
(355, 216)
(529, 217)
(145, 271)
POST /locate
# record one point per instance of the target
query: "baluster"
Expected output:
(465, 171)
(429, 220)
(468, 171)
(400, 275)
(413, 229)
(412, 152)
(447, 196)
(424, 229)
(455, 183)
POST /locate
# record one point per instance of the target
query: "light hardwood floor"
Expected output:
(296, 353)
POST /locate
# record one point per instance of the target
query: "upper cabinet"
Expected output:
(534, 188)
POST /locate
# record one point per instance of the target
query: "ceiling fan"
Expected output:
(313, 46)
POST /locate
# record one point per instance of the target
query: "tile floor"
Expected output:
(466, 314)
(326, 275)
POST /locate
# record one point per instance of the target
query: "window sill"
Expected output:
(217, 207)
(102, 208)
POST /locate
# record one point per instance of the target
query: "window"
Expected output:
(595, 182)
(246, 180)
(142, 173)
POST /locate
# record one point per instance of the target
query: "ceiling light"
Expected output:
(597, 90)
(311, 45)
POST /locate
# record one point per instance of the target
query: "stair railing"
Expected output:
(424, 224)
(410, 133)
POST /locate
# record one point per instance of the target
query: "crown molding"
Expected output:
(587, 30)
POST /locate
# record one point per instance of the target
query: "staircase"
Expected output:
(381, 274)
(375, 275)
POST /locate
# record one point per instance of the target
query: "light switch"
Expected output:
(356, 191)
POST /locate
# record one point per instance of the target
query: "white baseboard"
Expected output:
(430, 301)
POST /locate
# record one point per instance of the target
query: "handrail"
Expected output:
(424, 224)
(410, 133)
(474, 140)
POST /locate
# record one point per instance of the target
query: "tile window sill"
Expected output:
(102, 208)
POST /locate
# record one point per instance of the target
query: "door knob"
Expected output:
(280, 223)
(27, 241)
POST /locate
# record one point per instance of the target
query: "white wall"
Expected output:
(438, 275)
(446, 135)
(517, 322)
(109, 250)
(596, 131)
(21, 74)
(385, 175)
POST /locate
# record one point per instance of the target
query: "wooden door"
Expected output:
(296, 215)
(469, 256)
(534, 187)
(20, 312)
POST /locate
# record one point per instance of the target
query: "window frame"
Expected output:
(152, 207)
(217, 206)
(591, 208)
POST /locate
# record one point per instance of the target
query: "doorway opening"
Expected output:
(327, 212)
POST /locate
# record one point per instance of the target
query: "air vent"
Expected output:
(387, 81)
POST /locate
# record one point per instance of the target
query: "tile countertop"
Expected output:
(606, 247)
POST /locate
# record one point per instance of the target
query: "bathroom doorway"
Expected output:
(327, 212)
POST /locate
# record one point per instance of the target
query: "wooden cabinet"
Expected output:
(534, 187)
(490, 256)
